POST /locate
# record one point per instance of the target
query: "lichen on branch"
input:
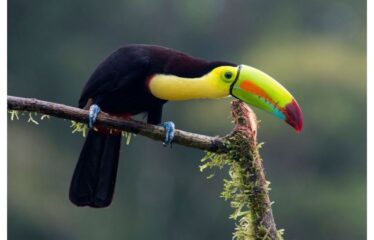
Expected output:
(77, 127)
(246, 193)
(247, 188)
(199, 141)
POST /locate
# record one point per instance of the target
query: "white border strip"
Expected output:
(370, 121)
(3, 120)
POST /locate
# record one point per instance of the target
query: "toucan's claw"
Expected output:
(94, 111)
(169, 133)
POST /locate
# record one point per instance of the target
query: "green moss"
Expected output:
(242, 188)
(13, 114)
(31, 119)
(82, 128)
(77, 127)
(127, 136)
(44, 116)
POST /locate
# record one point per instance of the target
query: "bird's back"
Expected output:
(131, 66)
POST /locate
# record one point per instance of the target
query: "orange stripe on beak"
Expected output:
(252, 88)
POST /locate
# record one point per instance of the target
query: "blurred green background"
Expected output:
(317, 49)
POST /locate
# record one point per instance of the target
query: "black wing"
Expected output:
(118, 71)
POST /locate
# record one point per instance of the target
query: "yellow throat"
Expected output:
(170, 87)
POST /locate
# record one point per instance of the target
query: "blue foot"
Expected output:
(94, 111)
(169, 133)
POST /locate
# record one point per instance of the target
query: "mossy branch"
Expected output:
(244, 150)
(247, 188)
(213, 144)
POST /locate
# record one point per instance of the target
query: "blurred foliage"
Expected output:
(317, 49)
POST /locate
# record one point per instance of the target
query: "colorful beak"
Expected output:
(256, 88)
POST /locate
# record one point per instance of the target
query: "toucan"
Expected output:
(140, 78)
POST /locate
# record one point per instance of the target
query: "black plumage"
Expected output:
(95, 175)
(119, 86)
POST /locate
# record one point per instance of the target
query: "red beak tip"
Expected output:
(298, 129)
(294, 116)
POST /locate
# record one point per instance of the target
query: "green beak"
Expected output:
(258, 89)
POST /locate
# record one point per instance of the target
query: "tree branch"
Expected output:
(212, 144)
(244, 139)
(241, 145)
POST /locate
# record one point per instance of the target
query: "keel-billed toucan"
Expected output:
(141, 79)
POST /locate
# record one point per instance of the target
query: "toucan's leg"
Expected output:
(94, 111)
(154, 117)
(169, 132)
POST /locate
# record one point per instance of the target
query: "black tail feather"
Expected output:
(96, 171)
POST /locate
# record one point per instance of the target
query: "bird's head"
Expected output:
(246, 83)
(258, 89)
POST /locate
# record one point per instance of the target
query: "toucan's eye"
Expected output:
(228, 75)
